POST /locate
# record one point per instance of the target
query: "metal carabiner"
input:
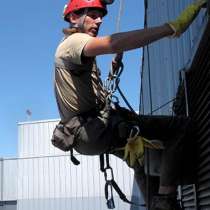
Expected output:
(135, 131)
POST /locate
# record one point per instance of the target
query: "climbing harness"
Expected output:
(111, 85)
(113, 80)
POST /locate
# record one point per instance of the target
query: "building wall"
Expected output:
(164, 59)
(8, 180)
(8, 205)
(8, 184)
(1, 179)
(47, 179)
(198, 86)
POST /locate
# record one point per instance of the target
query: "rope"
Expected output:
(163, 105)
(125, 100)
(118, 23)
(120, 13)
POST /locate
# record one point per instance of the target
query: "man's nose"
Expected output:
(98, 20)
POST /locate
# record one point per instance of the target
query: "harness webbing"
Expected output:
(111, 184)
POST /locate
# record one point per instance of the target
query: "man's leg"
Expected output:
(141, 179)
(147, 184)
(174, 132)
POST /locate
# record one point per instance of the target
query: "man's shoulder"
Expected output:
(73, 41)
(76, 37)
(71, 48)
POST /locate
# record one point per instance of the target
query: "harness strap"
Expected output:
(110, 184)
(119, 192)
(73, 159)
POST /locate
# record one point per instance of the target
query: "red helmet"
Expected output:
(75, 5)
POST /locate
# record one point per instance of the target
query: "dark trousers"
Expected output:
(175, 133)
(96, 137)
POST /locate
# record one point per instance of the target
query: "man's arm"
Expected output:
(119, 42)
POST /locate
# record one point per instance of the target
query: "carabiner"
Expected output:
(135, 131)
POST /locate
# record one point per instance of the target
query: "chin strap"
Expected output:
(80, 25)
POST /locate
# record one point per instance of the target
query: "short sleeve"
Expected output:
(71, 48)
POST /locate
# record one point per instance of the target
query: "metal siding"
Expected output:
(8, 206)
(38, 132)
(167, 56)
(199, 96)
(10, 180)
(48, 179)
(1, 179)
(55, 179)
(8, 184)
(161, 78)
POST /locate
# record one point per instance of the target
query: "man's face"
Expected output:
(92, 22)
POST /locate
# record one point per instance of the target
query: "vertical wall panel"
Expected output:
(8, 184)
(163, 61)
(10, 180)
(167, 56)
(198, 87)
(1, 179)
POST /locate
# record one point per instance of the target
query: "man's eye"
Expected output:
(93, 16)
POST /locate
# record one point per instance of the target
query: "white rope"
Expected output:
(120, 13)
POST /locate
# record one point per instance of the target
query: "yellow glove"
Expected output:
(134, 149)
(181, 24)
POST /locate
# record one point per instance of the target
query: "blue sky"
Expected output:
(30, 32)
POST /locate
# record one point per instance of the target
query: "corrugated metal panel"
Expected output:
(54, 179)
(1, 179)
(47, 178)
(8, 205)
(198, 87)
(160, 80)
(8, 180)
(34, 139)
(164, 59)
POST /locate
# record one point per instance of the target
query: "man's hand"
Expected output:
(116, 65)
(181, 24)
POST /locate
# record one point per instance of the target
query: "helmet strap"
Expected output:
(80, 24)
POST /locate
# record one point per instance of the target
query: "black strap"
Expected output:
(102, 162)
(110, 184)
(109, 200)
(119, 192)
(72, 157)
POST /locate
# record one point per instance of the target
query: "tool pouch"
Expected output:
(62, 138)
(64, 134)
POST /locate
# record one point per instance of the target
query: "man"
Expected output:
(82, 100)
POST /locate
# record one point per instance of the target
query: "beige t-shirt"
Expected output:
(78, 87)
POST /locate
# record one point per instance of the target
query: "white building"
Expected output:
(43, 177)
